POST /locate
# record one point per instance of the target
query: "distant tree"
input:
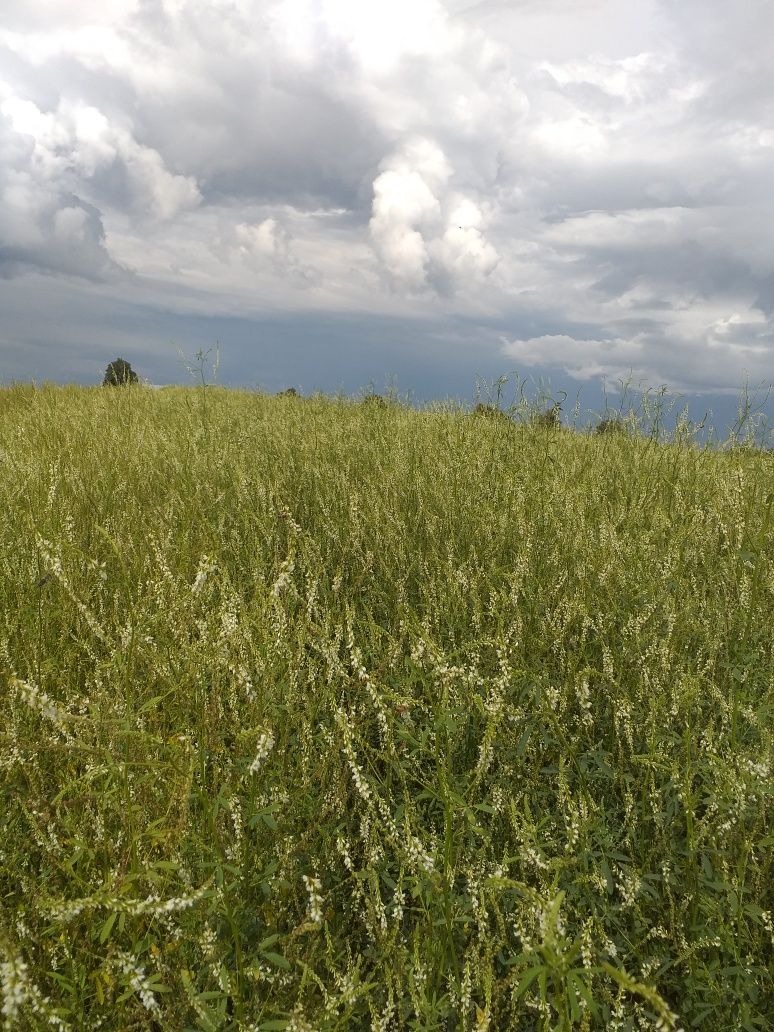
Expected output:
(289, 392)
(119, 373)
(490, 411)
(611, 425)
(374, 399)
(549, 419)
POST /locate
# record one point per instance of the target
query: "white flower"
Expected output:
(206, 567)
(265, 746)
(284, 578)
(139, 983)
(313, 888)
(13, 979)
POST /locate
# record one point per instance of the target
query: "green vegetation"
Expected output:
(345, 716)
(119, 373)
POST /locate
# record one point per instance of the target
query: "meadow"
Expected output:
(327, 715)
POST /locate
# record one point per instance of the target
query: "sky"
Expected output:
(425, 193)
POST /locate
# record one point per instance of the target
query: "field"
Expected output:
(332, 715)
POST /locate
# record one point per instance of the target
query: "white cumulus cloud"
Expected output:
(581, 358)
(425, 232)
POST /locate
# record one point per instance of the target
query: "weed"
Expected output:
(321, 721)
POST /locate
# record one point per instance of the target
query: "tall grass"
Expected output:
(323, 715)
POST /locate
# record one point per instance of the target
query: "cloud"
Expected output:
(55, 181)
(377, 37)
(406, 203)
(591, 182)
(583, 359)
(77, 141)
(267, 239)
(43, 224)
(425, 233)
(648, 354)
(730, 49)
(267, 245)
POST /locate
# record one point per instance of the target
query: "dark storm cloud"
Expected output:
(252, 127)
(68, 238)
(43, 225)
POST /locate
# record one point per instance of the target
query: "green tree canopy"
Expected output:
(119, 373)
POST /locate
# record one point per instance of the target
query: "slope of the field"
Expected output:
(325, 715)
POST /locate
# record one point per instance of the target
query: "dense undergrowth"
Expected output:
(323, 715)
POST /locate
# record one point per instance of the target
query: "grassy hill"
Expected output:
(323, 715)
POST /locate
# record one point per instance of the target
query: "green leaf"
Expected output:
(150, 704)
(510, 961)
(572, 996)
(524, 740)
(583, 989)
(277, 960)
(702, 1016)
(527, 979)
(107, 927)
(158, 987)
(607, 874)
(210, 1021)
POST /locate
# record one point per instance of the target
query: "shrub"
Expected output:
(490, 411)
(612, 425)
(119, 373)
(375, 399)
(289, 392)
(549, 419)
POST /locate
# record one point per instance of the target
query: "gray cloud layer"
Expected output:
(585, 187)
